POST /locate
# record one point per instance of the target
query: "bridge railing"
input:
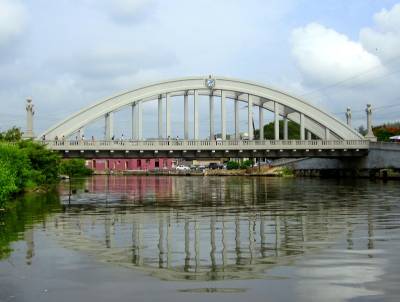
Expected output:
(204, 144)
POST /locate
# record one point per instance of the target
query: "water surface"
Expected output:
(148, 238)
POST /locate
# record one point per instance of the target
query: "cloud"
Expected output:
(111, 68)
(337, 71)
(126, 11)
(13, 19)
(384, 38)
(325, 56)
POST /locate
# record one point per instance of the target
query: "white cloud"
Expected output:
(337, 72)
(13, 18)
(384, 38)
(325, 56)
(126, 11)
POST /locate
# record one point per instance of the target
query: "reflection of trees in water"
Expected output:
(20, 217)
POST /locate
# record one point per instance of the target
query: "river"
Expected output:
(152, 238)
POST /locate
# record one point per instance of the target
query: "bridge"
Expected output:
(192, 149)
(321, 134)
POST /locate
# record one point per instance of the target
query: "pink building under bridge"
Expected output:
(131, 164)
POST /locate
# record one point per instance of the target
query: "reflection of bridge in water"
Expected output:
(235, 229)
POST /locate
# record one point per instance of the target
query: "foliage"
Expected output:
(269, 130)
(385, 131)
(12, 135)
(286, 171)
(25, 164)
(14, 170)
(362, 130)
(44, 163)
(7, 182)
(232, 165)
(246, 164)
(74, 167)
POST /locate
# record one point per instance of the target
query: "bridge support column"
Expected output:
(167, 116)
(348, 116)
(276, 120)
(160, 117)
(81, 133)
(196, 114)
(223, 115)
(327, 134)
(109, 125)
(186, 115)
(140, 120)
(211, 117)
(261, 123)
(135, 121)
(302, 127)
(285, 128)
(250, 117)
(237, 121)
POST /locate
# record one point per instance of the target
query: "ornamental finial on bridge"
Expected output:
(370, 134)
(210, 82)
(348, 116)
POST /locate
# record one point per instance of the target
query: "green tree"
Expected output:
(17, 161)
(232, 165)
(12, 135)
(7, 182)
(246, 164)
(269, 130)
(45, 163)
(74, 167)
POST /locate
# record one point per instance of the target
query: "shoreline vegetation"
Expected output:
(28, 166)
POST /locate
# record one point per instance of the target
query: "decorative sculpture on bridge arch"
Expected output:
(311, 118)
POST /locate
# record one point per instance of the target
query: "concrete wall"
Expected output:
(380, 156)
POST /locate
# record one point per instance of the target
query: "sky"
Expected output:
(67, 54)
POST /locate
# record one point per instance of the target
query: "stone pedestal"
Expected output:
(28, 134)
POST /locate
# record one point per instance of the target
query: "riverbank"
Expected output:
(262, 171)
(385, 174)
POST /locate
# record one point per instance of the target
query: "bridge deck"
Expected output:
(210, 148)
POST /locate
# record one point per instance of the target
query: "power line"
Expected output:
(374, 108)
(354, 76)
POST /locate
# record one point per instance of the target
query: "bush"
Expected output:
(26, 164)
(74, 167)
(7, 182)
(232, 165)
(45, 163)
(246, 164)
(15, 160)
(286, 171)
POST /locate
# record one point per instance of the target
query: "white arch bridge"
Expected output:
(321, 134)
